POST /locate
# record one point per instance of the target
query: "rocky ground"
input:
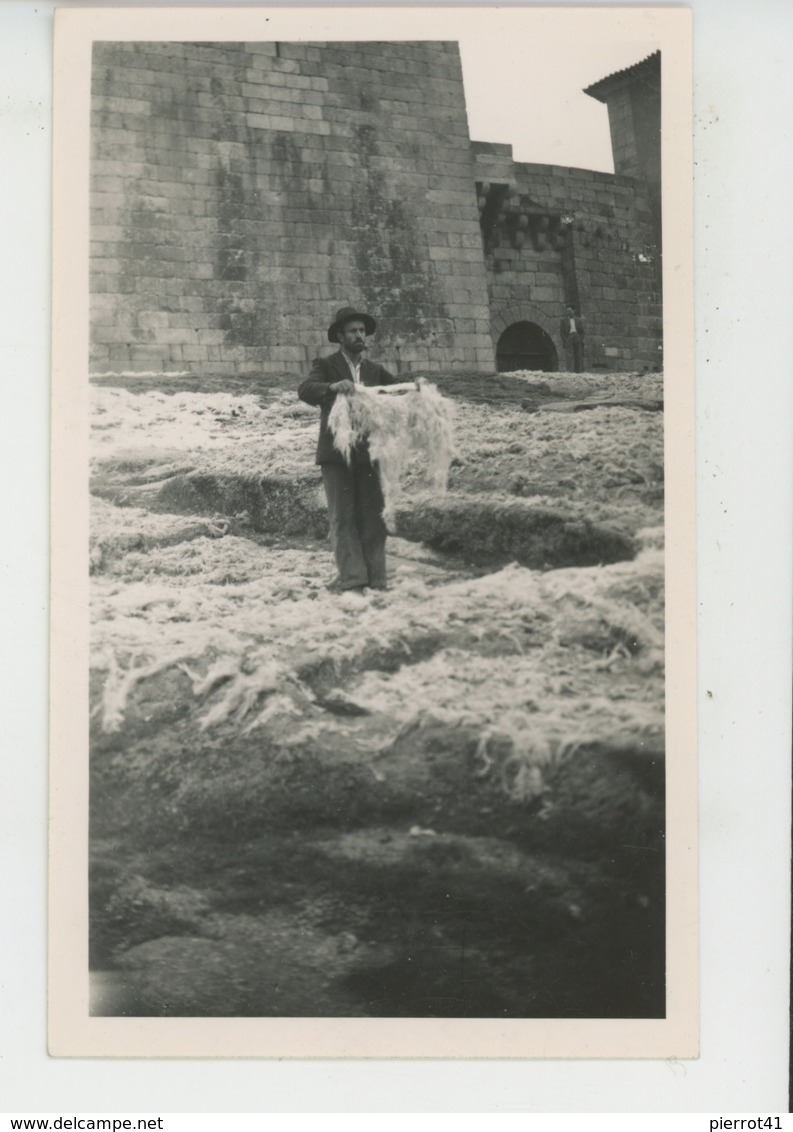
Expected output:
(444, 800)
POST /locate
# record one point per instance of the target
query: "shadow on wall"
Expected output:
(524, 345)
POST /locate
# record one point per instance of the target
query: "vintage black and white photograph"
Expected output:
(376, 397)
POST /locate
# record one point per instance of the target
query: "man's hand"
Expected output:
(345, 386)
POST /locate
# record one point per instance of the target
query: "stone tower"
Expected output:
(241, 192)
(633, 98)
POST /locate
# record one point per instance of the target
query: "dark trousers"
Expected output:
(357, 529)
(575, 344)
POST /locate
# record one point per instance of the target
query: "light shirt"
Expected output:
(355, 367)
(573, 327)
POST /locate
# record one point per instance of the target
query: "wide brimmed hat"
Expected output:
(347, 314)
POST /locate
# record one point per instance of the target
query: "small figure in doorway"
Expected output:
(571, 329)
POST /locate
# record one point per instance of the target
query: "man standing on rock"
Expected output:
(353, 492)
(571, 329)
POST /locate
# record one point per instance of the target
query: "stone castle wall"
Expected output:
(242, 192)
(558, 235)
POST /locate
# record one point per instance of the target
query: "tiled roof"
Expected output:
(602, 88)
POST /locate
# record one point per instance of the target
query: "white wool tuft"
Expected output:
(417, 423)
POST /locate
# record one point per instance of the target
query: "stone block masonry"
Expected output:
(241, 192)
(563, 235)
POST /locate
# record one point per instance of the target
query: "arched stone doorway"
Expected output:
(525, 345)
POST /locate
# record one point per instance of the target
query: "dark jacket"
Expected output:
(314, 391)
(564, 328)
